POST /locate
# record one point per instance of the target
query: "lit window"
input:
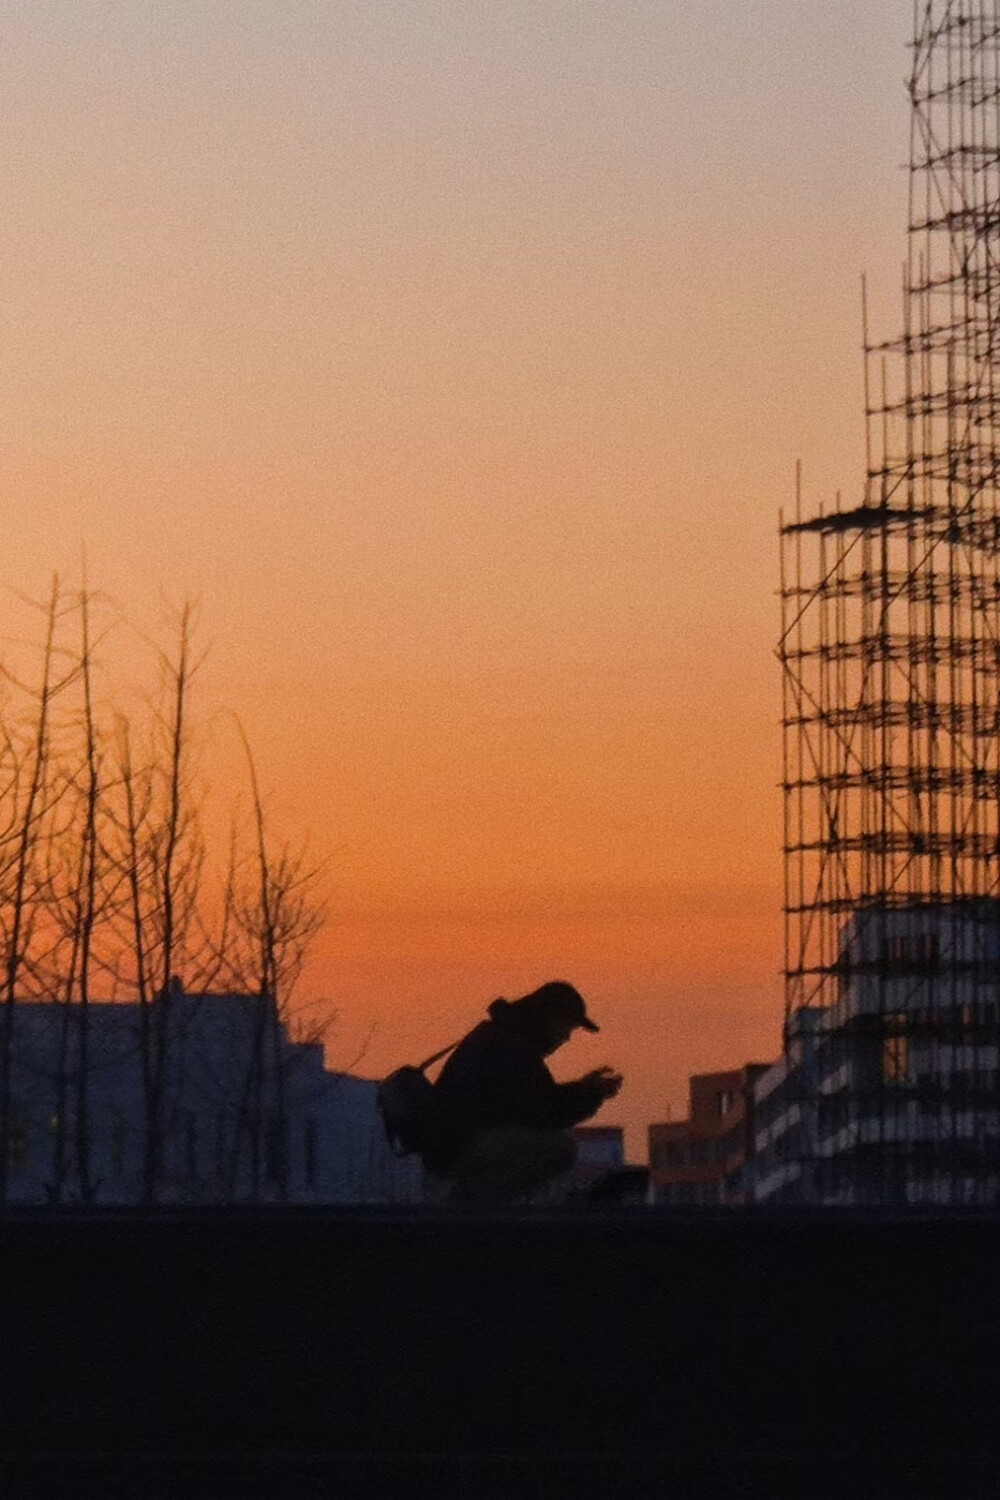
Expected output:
(895, 1050)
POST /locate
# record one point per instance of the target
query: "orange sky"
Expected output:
(458, 357)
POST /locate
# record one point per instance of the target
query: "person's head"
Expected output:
(552, 1012)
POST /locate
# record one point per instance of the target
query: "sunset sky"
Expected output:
(457, 355)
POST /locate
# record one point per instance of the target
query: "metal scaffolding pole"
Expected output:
(890, 650)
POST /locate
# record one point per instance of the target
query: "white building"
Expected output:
(782, 1164)
(246, 1114)
(892, 1093)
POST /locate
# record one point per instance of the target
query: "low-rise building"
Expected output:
(204, 1094)
(703, 1158)
(600, 1149)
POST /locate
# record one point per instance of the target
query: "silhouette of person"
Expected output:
(502, 1120)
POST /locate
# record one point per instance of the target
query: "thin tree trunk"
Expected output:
(63, 1060)
(134, 817)
(268, 1027)
(88, 910)
(161, 1011)
(25, 853)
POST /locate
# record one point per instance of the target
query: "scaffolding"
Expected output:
(890, 649)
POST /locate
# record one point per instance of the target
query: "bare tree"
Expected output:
(274, 916)
(73, 899)
(87, 902)
(102, 855)
(158, 861)
(175, 860)
(31, 799)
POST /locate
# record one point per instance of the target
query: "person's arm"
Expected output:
(557, 1106)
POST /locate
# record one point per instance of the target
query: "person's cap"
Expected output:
(566, 1001)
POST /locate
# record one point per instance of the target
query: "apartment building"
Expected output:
(891, 1095)
(703, 1158)
(243, 1112)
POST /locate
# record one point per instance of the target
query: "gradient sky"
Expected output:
(458, 355)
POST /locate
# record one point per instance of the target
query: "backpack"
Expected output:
(408, 1106)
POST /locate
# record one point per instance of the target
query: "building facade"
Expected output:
(238, 1111)
(891, 1096)
(703, 1159)
(600, 1149)
(781, 1168)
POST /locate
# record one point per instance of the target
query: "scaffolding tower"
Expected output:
(890, 649)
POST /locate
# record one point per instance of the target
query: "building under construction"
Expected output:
(890, 649)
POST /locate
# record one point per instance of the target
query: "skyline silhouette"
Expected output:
(459, 365)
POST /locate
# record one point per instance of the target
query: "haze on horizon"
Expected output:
(458, 358)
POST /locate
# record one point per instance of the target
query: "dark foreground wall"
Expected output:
(637, 1352)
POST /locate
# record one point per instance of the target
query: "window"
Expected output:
(896, 950)
(895, 1050)
(191, 1144)
(724, 1101)
(118, 1143)
(929, 950)
(309, 1153)
(220, 1146)
(17, 1142)
(668, 1154)
(274, 1148)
